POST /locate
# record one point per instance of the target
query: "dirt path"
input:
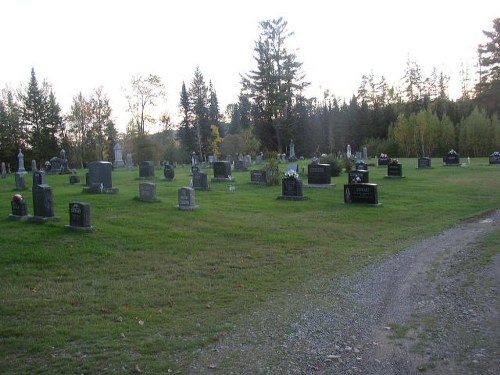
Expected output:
(432, 308)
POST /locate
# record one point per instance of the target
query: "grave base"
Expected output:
(80, 229)
(187, 208)
(365, 204)
(452, 165)
(320, 186)
(293, 197)
(223, 179)
(42, 219)
(395, 177)
(18, 217)
(91, 190)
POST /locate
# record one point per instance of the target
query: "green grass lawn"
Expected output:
(152, 283)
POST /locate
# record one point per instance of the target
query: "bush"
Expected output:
(272, 171)
(335, 167)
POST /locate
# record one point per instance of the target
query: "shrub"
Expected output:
(335, 167)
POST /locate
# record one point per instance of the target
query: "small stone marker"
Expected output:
(258, 177)
(394, 169)
(147, 169)
(147, 192)
(19, 207)
(168, 172)
(452, 158)
(424, 163)
(74, 179)
(358, 177)
(33, 166)
(291, 189)
(383, 160)
(79, 217)
(118, 156)
(361, 165)
(129, 162)
(361, 193)
(494, 158)
(186, 199)
(4, 170)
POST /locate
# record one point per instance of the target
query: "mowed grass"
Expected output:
(153, 284)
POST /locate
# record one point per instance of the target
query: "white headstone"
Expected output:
(118, 156)
(20, 158)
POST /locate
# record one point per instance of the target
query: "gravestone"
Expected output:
(147, 169)
(358, 177)
(64, 163)
(43, 204)
(361, 165)
(452, 158)
(291, 189)
(292, 156)
(168, 172)
(195, 169)
(361, 193)
(20, 181)
(383, 160)
(247, 161)
(494, 158)
(39, 178)
(239, 165)
(74, 180)
(33, 166)
(147, 192)
(79, 217)
(258, 177)
(4, 170)
(20, 159)
(319, 174)
(259, 159)
(130, 162)
(19, 207)
(100, 178)
(394, 169)
(424, 163)
(222, 171)
(365, 153)
(187, 200)
(55, 165)
(200, 181)
(118, 156)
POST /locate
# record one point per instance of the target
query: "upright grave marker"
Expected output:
(100, 178)
(19, 207)
(168, 172)
(187, 200)
(494, 158)
(43, 204)
(258, 177)
(147, 192)
(394, 169)
(451, 159)
(424, 163)
(361, 193)
(39, 178)
(222, 171)
(147, 169)
(319, 175)
(79, 217)
(118, 156)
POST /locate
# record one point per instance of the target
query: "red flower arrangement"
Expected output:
(17, 198)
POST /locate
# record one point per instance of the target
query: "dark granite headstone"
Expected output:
(318, 174)
(494, 158)
(100, 172)
(394, 170)
(358, 177)
(383, 160)
(43, 201)
(79, 214)
(424, 162)
(19, 208)
(200, 181)
(169, 172)
(146, 169)
(222, 171)
(361, 193)
(187, 200)
(452, 158)
(361, 165)
(291, 187)
(258, 177)
(74, 180)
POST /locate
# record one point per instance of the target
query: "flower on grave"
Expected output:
(356, 180)
(291, 174)
(383, 156)
(496, 153)
(18, 198)
(394, 161)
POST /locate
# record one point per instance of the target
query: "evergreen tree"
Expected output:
(198, 94)
(186, 133)
(12, 134)
(40, 116)
(274, 84)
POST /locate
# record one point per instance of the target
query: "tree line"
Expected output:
(415, 119)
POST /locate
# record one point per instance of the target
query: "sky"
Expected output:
(78, 46)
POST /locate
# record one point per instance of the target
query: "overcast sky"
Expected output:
(81, 45)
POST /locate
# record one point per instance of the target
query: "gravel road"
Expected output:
(432, 308)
